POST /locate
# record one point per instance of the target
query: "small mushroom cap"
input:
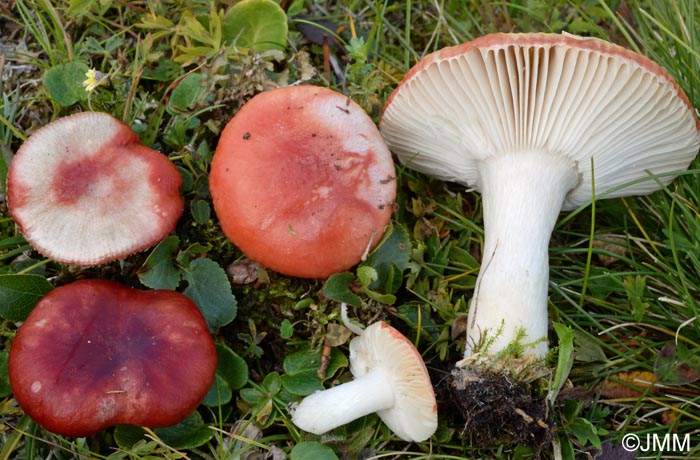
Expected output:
(302, 181)
(583, 98)
(414, 415)
(85, 191)
(96, 353)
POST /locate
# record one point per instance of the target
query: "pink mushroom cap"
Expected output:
(302, 181)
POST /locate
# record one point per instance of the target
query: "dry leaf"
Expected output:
(613, 244)
(628, 385)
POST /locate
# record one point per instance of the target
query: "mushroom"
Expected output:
(302, 181)
(85, 191)
(390, 378)
(526, 119)
(96, 353)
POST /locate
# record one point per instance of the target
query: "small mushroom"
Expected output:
(302, 181)
(390, 378)
(96, 353)
(85, 191)
(526, 119)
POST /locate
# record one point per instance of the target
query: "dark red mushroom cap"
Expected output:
(85, 191)
(96, 353)
(302, 181)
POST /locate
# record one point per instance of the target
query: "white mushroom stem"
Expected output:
(522, 195)
(325, 410)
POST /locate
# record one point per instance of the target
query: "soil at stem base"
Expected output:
(496, 408)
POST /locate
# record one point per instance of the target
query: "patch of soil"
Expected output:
(494, 408)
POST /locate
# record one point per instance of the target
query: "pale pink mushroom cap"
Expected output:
(85, 191)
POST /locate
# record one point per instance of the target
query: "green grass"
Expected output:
(625, 293)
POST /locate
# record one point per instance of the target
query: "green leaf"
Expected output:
(337, 287)
(195, 30)
(201, 211)
(186, 92)
(188, 434)
(635, 287)
(158, 271)
(260, 25)
(286, 329)
(295, 8)
(420, 317)
(337, 361)
(367, 276)
(565, 360)
(126, 436)
(585, 432)
(65, 83)
(251, 395)
(193, 251)
(302, 367)
(78, 7)
(312, 450)
(587, 349)
(19, 294)
(210, 289)
(391, 254)
(219, 393)
(5, 389)
(232, 368)
(303, 383)
(272, 383)
(302, 361)
(5, 159)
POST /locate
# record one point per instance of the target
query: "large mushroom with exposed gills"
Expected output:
(533, 122)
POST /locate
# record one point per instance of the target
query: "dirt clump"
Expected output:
(495, 408)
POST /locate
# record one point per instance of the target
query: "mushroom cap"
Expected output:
(414, 414)
(302, 181)
(96, 353)
(85, 191)
(583, 98)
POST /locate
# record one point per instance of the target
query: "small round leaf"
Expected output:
(232, 368)
(65, 83)
(311, 450)
(260, 25)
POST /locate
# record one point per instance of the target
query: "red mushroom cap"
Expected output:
(85, 191)
(96, 353)
(302, 181)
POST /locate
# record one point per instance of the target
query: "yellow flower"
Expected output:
(94, 79)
